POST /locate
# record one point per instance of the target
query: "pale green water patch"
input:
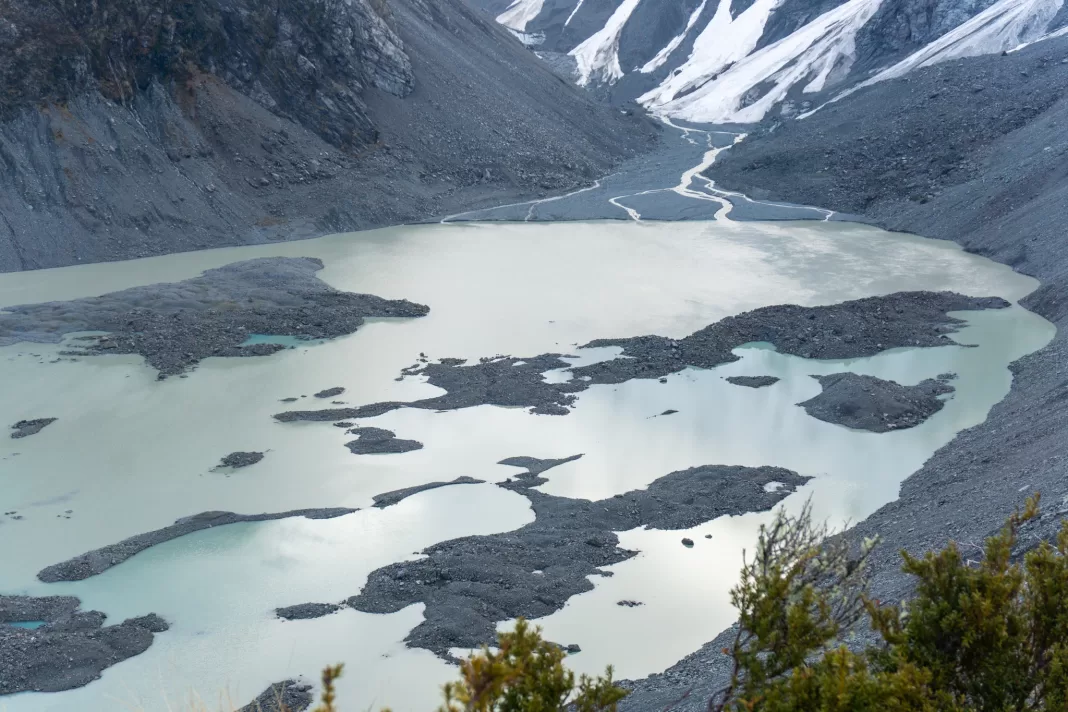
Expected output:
(28, 625)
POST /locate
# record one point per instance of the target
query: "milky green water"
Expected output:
(130, 454)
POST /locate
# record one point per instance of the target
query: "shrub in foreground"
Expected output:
(983, 636)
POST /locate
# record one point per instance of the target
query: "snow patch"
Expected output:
(727, 87)
(572, 15)
(724, 41)
(520, 13)
(1003, 26)
(673, 45)
(598, 55)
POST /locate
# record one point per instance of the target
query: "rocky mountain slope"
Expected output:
(736, 61)
(140, 127)
(975, 151)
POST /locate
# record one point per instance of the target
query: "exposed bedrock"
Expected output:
(470, 584)
(175, 326)
(70, 648)
(862, 327)
(26, 428)
(869, 403)
(100, 560)
(378, 441)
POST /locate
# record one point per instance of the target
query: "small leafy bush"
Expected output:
(527, 674)
(524, 674)
(990, 636)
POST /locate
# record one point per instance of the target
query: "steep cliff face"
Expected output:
(139, 127)
(309, 61)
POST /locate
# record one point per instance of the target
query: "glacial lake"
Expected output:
(131, 454)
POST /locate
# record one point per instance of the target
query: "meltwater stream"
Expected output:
(130, 454)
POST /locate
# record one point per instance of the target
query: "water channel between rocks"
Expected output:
(129, 454)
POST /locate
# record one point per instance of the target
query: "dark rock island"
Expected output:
(863, 327)
(25, 428)
(67, 648)
(100, 560)
(175, 326)
(869, 403)
(378, 441)
(752, 381)
(469, 584)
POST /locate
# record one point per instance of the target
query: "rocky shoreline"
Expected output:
(175, 326)
(66, 647)
(876, 405)
(862, 327)
(534, 570)
(100, 560)
(388, 499)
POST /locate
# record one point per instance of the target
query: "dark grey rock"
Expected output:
(175, 326)
(629, 604)
(863, 327)
(377, 441)
(752, 381)
(237, 460)
(330, 392)
(304, 611)
(288, 696)
(869, 403)
(100, 560)
(388, 499)
(534, 468)
(70, 650)
(687, 542)
(25, 428)
(469, 584)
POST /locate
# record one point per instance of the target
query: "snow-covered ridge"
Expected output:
(727, 77)
(821, 50)
(520, 13)
(598, 56)
(1003, 26)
